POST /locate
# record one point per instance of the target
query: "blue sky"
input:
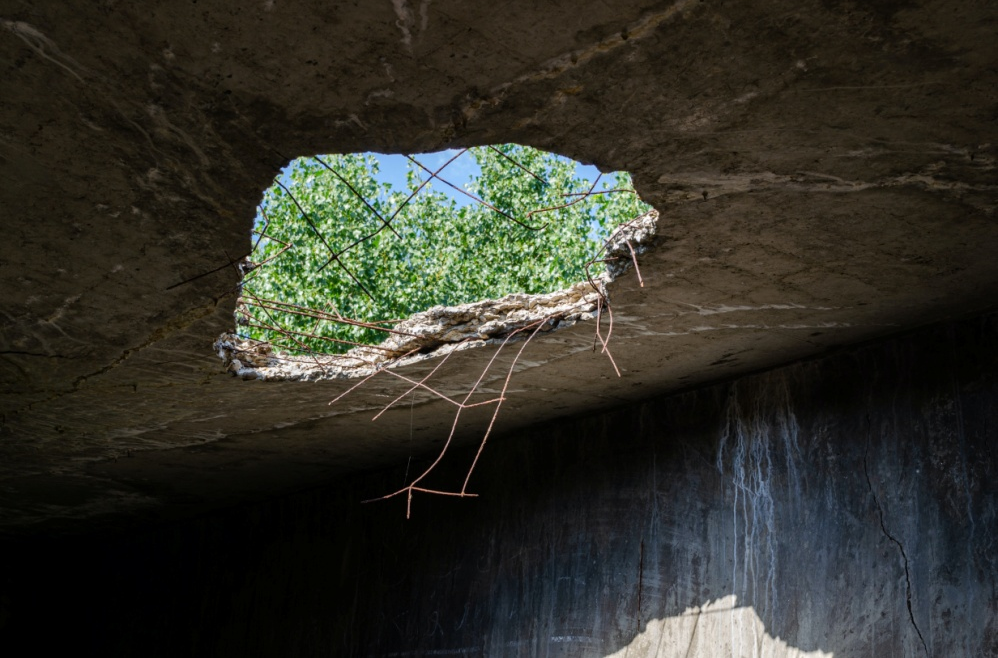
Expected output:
(393, 169)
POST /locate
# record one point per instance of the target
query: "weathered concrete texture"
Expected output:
(825, 174)
(842, 507)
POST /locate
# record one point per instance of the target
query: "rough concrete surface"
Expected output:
(825, 174)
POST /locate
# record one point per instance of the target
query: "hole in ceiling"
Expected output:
(347, 246)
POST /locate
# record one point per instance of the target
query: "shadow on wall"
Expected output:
(716, 628)
(842, 507)
(837, 507)
(757, 450)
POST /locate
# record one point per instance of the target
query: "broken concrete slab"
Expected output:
(847, 154)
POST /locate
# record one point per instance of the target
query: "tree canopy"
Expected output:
(331, 238)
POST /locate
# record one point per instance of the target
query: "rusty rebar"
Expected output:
(335, 256)
(315, 314)
(359, 196)
(394, 214)
(493, 148)
(475, 198)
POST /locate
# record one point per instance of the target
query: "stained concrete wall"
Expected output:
(844, 507)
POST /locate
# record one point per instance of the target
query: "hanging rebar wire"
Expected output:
(259, 313)
(461, 406)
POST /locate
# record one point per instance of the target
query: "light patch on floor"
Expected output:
(718, 628)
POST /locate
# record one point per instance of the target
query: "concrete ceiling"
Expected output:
(825, 174)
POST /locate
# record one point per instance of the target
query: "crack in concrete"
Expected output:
(20, 353)
(560, 64)
(692, 186)
(45, 47)
(179, 323)
(883, 528)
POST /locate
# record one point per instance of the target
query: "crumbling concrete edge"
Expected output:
(441, 330)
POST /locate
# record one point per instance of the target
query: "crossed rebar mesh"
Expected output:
(293, 339)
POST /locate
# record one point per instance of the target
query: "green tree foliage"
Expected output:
(436, 251)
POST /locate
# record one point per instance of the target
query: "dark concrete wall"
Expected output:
(848, 503)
